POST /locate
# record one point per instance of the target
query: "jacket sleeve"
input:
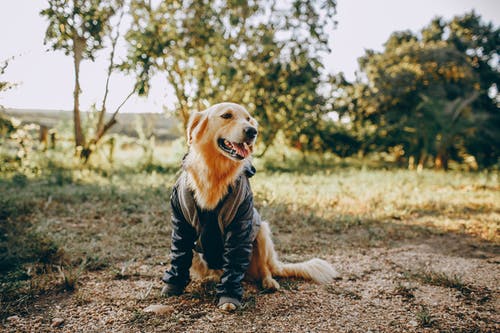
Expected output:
(237, 251)
(183, 238)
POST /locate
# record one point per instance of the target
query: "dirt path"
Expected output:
(444, 283)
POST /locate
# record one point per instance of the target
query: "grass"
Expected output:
(344, 292)
(60, 222)
(442, 279)
(425, 318)
(404, 291)
(381, 205)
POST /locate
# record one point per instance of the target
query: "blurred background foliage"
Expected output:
(428, 100)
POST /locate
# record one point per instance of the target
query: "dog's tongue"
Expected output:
(241, 149)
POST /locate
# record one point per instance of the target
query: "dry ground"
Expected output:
(416, 253)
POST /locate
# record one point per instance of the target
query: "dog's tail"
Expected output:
(317, 270)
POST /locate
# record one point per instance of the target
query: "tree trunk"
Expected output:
(455, 110)
(421, 161)
(44, 136)
(411, 163)
(112, 143)
(441, 161)
(53, 138)
(79, 137)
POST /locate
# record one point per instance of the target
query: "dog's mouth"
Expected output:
(237, 150)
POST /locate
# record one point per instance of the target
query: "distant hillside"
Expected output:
(163, 127)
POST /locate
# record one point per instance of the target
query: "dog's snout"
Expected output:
(250, 132)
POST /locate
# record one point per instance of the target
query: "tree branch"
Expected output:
(114, 41)
(463, 104)
(112, 120)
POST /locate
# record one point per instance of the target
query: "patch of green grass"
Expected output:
(27, 255)
(139, 317)
(19, 288)
(404, 291)
(382, 205)
(122, 273)
(95, 263)
(480, 295)
(70, 278)
(344, 292)
(442, 279)
(425, 318)
(19, 180)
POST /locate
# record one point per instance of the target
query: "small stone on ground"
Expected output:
(56, 322)
(159, 309)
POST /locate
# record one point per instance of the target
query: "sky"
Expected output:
(45, 78)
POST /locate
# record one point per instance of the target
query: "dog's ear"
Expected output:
(197, 123)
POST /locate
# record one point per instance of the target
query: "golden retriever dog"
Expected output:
(221, 140)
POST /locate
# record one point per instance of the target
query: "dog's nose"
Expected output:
(250, 132)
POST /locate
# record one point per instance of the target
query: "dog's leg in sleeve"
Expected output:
(237, 255)
(181, 256)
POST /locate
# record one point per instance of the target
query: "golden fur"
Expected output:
(211, 170)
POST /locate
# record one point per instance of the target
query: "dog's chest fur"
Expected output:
(209, 180)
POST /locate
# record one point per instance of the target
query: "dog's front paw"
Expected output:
(270, 284)
(228, 307)
(228, 304)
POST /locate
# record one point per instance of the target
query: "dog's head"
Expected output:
(225, 128)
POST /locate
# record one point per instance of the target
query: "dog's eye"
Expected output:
(248, 118)
(227, 115)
